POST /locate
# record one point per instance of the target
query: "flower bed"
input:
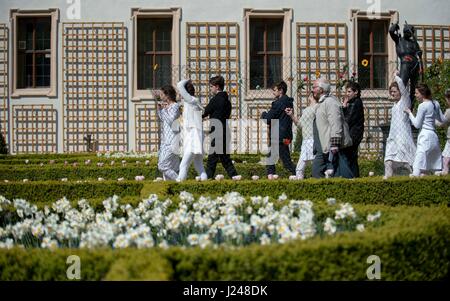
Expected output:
(228, 220)
(412, 244)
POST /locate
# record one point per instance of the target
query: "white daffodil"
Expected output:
(360, 227)
(329, 226)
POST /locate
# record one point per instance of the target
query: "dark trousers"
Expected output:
(320, 164)
(212, 161)
(337, 162)
(352, 157)
(285, 156)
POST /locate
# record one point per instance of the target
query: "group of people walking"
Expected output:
(400, 148)
(218, 110)
(332, 131)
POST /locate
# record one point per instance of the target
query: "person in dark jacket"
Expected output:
(354, 116)
(219, 110)
(277, 111)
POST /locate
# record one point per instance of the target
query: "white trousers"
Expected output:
(188, 157)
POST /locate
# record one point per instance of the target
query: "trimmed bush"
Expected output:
(395, 191)
(46, 173)
(84, 172)
(412, 244)
(50, 191)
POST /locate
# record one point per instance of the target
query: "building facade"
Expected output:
(78, 71)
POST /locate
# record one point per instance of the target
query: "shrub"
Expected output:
(50, 191)
(395, 191)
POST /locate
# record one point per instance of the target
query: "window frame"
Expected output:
(34, 52)
(174, 13)
(286, 40)
(265, 53)
(50, 91)
(390, 16)
(372, 54)
(154, 52)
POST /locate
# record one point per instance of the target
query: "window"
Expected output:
(34, 34)
(156, 50)
(154, 38)
(373, 54)
(266, 52)
(33, 52)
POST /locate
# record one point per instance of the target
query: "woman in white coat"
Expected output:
(428, 155)
(400, 147)
(192, 131)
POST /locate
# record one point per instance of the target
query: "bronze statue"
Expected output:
(410, 55)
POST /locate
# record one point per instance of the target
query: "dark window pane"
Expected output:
(43, 33)
(145, 69)
(164, 37)
(379, 72)
(379, 37)
(257, 72)
(42, 70)
(144, 35)
(256, 36)
(364, 74)
(273, 70)
(363, 37)
(274, 30)
(163, 73)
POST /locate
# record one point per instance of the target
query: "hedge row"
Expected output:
(70, 161)
(83, 172)
(395, 191)
(399, 191)
(412, 244)
(50, 191)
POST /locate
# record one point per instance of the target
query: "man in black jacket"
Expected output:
(277, 111)
(219, 110)
(354, 116)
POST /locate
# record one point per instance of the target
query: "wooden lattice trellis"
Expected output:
(34, 128)
(213, 49)
(321, 50)
(147, 128)
(95, 85)
(4, 110)
(434, 41)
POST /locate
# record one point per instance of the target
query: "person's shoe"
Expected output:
(329, 173)
(197, 178)
(270, 177)
(293, 178)
(275, 177)
(438, 173)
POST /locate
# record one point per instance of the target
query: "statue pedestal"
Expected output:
(385, 130)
